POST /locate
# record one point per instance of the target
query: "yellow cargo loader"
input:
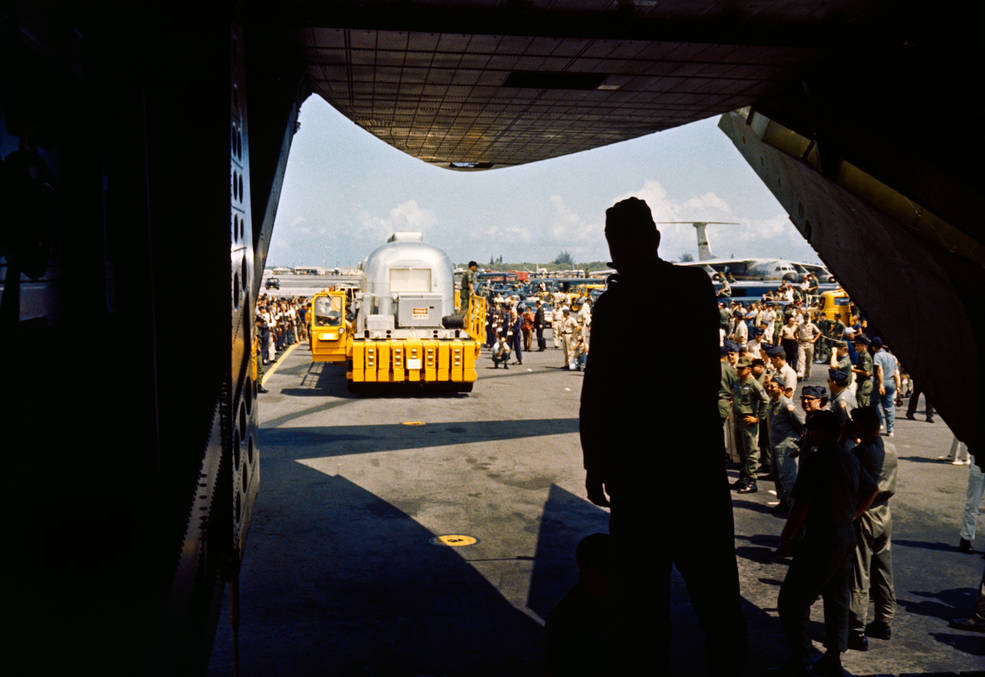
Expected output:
(404, 329)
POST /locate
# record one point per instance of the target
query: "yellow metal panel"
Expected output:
(397, 352)
(383, 361)
(468, 368)
(414, 359)
(444, 354)
(430, 361)
(358, 361)
(371, 362)
(457, 360)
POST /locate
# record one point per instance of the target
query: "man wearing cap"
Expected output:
(778, 357)
(872, 573)
(807, 336)
(863, 371)
(740, 334)
(468, 286)
(840, 360)
(729, 356)
(763, 376)
(842, 403)
(540, 321)
(754, 347)
(748, 400)
(786, 425)
(634, 444)
(569, 325)
(827, 497)
(887, 383)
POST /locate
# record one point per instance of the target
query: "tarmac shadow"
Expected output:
(943, 547)
(752, 505)
(341, 582)
(972, 643)
(946, 604)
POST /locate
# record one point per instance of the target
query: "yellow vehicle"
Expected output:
(836, 305)
(405, 328)
(330, 331)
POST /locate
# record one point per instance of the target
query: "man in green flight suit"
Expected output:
(748, 401)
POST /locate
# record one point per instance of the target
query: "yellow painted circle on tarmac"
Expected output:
(413, 423)
(454, 540)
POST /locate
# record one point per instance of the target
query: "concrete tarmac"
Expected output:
(343, 576)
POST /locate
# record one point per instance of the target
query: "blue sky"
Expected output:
(345, 191)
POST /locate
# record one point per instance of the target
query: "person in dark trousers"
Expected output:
(831, 491)
(540, 322)
(648, 451)
(911, 404)
(577, 628)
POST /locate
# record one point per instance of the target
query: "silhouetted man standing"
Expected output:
(653, 449)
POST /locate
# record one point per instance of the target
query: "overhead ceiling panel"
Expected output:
(498, 83)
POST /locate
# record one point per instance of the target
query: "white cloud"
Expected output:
(773, 236)
(405, 216)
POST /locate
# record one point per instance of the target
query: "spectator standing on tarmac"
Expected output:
(807, 337)
(748, 399)
(788, 339)
(872, 573)
(515, 334)
(786, 426)
(528, 328)
(830, 490)
(569, 326)
(842, 404)
(540, 322)
(778, 357)
(623, 432)
(887, 382)
(972, 507)
(863, 371)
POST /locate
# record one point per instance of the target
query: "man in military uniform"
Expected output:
(807, 336)
(629, 454)
(762, 376)
(841, 361)
(540, 322)
(748, 400)
(842, 403)
(569, 326)
(872, 573)
(830, 490)
(468, 286)
(729, 356)
(863, 371)
(786, 427)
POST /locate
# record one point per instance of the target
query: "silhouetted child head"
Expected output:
(594, 563)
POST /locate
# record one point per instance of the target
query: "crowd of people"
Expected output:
(831, 460)
(280, 323)
(512, 326)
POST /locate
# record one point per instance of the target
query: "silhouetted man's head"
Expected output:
(633, 237)
(866, 422)
(823, 428)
